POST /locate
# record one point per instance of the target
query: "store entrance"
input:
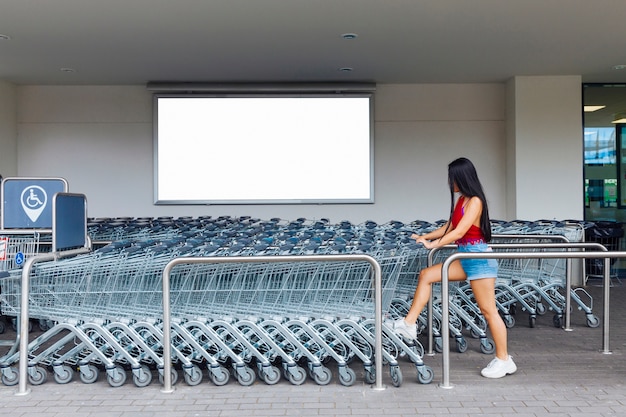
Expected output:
(605, 158)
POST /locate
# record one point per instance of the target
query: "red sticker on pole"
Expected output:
(4, 243)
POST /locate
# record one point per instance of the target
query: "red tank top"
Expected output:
(474, 233)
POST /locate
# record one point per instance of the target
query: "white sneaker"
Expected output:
(401, 328)
(498, 368)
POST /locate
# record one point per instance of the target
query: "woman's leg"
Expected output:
(427, 277)
(484, 293)
(406, 327)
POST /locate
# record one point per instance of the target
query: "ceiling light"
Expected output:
(620, 67)
(349, 36)
(5, 37)
(346, 69)
(619, 118)
(68, 70)
(589, 109)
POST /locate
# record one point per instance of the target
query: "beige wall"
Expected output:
(100, 139)
(546, 127)
(8, 130)
(421, 128)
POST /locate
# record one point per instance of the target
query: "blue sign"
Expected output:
(27, 202)
(69, 229)
(19, 258)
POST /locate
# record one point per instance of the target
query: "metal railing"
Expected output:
(520, 255)
(376, 269)
(377, 277)
(568, 271)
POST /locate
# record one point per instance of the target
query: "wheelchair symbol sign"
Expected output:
(19, 258)
(34, 199)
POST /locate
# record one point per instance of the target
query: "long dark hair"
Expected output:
(462, 172)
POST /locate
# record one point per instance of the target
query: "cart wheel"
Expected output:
(193, 376)
(425, 375)
(271, 375)
(461, 345)
(532, 321)
(541, 309)
(487, 346)
(118, 378)
(556, 321)
(144, 378)
(509, 321)
(2, 327)
(247, 377)
(438, 345)
(43, 325)
(396, 376)
(296, 375)
(347, 377)
(37, 375)
(593, 321)
(88, 374)
(63, 374)
(10, 378)
(323, 376)
(370, 376)
(219, 375)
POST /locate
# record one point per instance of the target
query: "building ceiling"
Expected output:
(120, 42)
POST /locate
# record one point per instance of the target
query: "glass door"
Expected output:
(605, 163)
(604, 152)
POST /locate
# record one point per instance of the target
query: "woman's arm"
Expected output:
(431, 235)
(471, 215)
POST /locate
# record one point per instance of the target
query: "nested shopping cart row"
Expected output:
(239, 321)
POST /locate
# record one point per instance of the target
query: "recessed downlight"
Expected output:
(350, 36)
(346, 69)
(65, 69)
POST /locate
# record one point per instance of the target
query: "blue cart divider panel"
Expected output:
(27, 202)
(69, 229)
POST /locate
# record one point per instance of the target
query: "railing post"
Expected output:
(22, 388)
(568, 295)
(167, 331)
(607, 299)
(445, 324)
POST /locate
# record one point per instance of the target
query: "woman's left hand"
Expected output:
(428, 244)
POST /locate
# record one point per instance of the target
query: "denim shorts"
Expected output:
(478, 268)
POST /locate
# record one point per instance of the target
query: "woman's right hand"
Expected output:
(419, 239)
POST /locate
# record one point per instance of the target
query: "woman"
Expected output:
(468, 227)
